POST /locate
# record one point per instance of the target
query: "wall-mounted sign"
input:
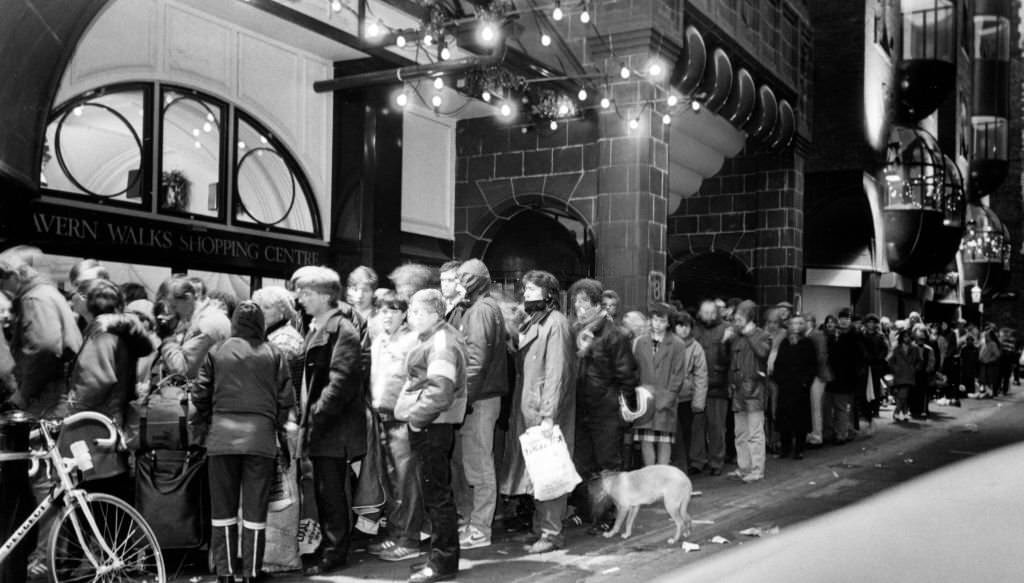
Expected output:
(86, 233)
(656, 286)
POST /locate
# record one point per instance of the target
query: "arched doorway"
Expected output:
(715, 274)
(540, 239)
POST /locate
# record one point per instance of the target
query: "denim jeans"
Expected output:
(750, 444)
(475, 458)
(432, 448)
(405, 518)
(547, 518)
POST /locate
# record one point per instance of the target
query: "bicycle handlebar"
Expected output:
(105, 442)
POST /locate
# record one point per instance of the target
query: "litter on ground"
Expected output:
(703, 522)
(696, 493)
(690, 547)
(611, 570)
(720, 540)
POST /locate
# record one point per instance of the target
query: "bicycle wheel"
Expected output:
(136, 553)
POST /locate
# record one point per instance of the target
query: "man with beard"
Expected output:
(708, 332)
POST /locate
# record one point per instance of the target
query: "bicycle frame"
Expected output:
(65, 488)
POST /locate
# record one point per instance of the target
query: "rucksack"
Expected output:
(160, 418)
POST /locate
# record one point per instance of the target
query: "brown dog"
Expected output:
(631, 490)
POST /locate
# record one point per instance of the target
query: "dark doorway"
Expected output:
(716, 274)
(537, 239)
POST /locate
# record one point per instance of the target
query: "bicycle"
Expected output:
(96, 537)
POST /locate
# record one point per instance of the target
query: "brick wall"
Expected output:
(753, 210)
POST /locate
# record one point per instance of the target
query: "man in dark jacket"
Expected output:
(606, 369)
(333, 409)
(708, 332)
(483, 327)
(848, 360)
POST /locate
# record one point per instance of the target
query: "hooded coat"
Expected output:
(104, 373)
(44, 338)
(483, 327)
(244, 390)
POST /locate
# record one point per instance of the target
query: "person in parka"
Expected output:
(44, 333)
(332, 409)
(483, 327)
(659, 358)
(243, 395)
(750, 347)
(544, 397)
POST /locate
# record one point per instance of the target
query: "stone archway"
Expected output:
(536, 239)
(711, 274)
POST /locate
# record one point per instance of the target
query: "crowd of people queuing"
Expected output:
(444, 380)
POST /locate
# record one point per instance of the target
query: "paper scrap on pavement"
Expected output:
(753, 531)
(502, 552)
(610, 571)
(772, 531)
(908, 460)
(696, 493)
(812, 483)
(690, 547)
(879, 466)
(720, 540)
(835, 473)
(703, 521)
(970, 428)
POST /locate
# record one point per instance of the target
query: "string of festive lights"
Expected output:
(437, 38)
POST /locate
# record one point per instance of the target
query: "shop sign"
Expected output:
(80, 232)
(656, 286)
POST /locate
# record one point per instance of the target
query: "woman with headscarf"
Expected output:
(544, 396)
(243, 394)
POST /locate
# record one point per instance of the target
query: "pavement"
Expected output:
(793, 492)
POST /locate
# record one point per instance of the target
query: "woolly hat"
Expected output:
(247, 321)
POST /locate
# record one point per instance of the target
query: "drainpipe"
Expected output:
(412, 72)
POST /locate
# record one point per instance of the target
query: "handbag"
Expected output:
(548, 463)
(171, 492)
(159, 420)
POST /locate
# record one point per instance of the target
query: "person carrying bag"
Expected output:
(243, 394)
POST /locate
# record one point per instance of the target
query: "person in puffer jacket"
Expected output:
(483, 326)
(243, 394)
(433, 402)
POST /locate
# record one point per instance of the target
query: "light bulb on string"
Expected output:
(207, 127)
(195, 132)
(79, 110)
(557, 13)
(336, 6)
(582, 95)
(563, 110)
(605, 103)
(585, 16)
(488, 32)
(672, 100)
(624, 72)
(695, 105)
(545, 39)
(439, 83)
(655, 70)
(506, 110)
(209, 117)
(446, 54)
(373, 30)
(198, 144)
(241, 145)
(634, 123)
(486, 96)
(553, 125)
(436, 101)
(402, 99)
(666, 119)
(428, 39)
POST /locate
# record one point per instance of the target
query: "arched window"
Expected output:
(104, 147)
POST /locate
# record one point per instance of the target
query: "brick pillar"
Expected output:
(632, 208)
(778, 261)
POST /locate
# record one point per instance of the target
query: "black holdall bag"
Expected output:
(159, 419)
(171, 492)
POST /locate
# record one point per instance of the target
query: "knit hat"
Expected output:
(248, 321)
